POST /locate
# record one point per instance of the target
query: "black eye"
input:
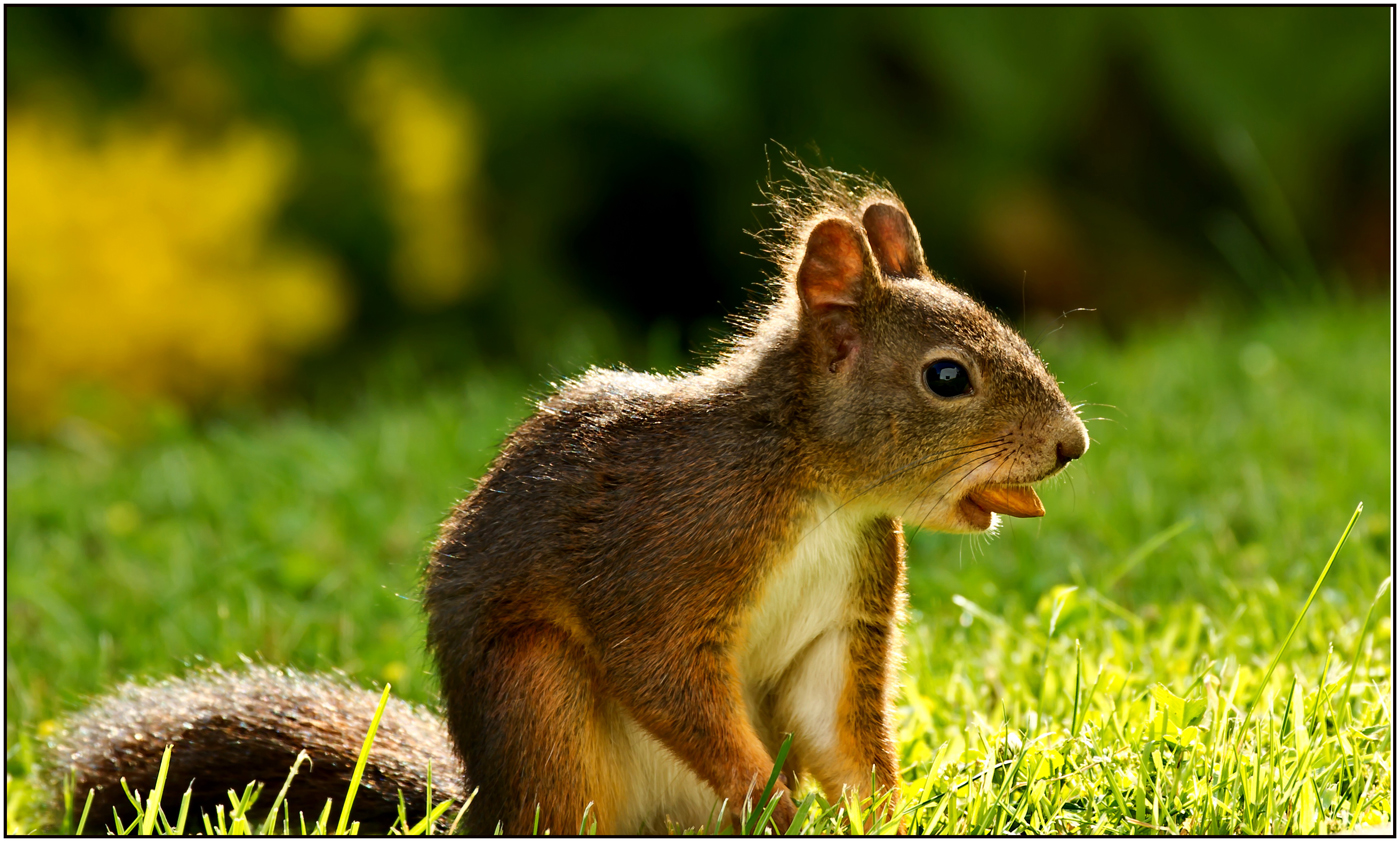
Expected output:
(947, 379)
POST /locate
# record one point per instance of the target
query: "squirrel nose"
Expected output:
(1072, 444)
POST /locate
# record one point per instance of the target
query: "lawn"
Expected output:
(1099, 670)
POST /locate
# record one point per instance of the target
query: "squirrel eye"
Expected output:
(947, 379)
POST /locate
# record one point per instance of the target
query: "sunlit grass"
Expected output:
(1087, 672)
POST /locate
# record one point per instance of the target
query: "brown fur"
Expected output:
(232, 728)
(610, 569)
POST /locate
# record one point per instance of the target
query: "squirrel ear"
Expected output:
(831, 281)
(833, 270)
(893, 240)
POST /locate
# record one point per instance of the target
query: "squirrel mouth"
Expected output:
(1013, 500)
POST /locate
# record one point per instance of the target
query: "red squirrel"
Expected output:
(660, 578)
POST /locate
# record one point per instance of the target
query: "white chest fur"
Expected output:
(795, 636)
(807, 594)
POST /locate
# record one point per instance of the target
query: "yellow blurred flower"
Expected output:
(427, 143)
(313, 34)
(142, 264)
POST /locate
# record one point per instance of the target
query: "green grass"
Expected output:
(1087, 672)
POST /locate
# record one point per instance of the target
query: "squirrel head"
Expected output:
(917, 401)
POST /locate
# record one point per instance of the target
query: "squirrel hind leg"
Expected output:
(230, 728)
(534, 724)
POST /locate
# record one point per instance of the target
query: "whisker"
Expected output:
(934, 481)
(963, 451)
(983, 460)
(1063, 316)
(918, 463)
(944, 495)
(1041, 338)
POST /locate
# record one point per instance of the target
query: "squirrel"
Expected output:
(661, 578)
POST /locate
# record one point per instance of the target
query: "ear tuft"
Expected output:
(893, 240)
(833, 269)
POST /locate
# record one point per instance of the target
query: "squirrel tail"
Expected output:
(230, 728)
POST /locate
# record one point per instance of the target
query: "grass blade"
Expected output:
(240, 805)
(452, 831)
(801, 815)
(135, 802)
(1078, 673)
(86, 806)
(430, 797)
(184, 810)
(1360, 640)
(1150, 546)
(754, 820)
(853, 813)
(323, 822)
(271, 821)
(425, 826)
(344, 822)
(66, 826)
(718, 817)
(1289, 637)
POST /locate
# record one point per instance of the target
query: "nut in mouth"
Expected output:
(1013, 500)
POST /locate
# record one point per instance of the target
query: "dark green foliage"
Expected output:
(1123, 159)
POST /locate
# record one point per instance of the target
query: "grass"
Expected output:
(1106, 669)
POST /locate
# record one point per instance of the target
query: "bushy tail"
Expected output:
(229, 728)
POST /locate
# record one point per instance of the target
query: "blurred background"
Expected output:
(279, 281)
(226, 207)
